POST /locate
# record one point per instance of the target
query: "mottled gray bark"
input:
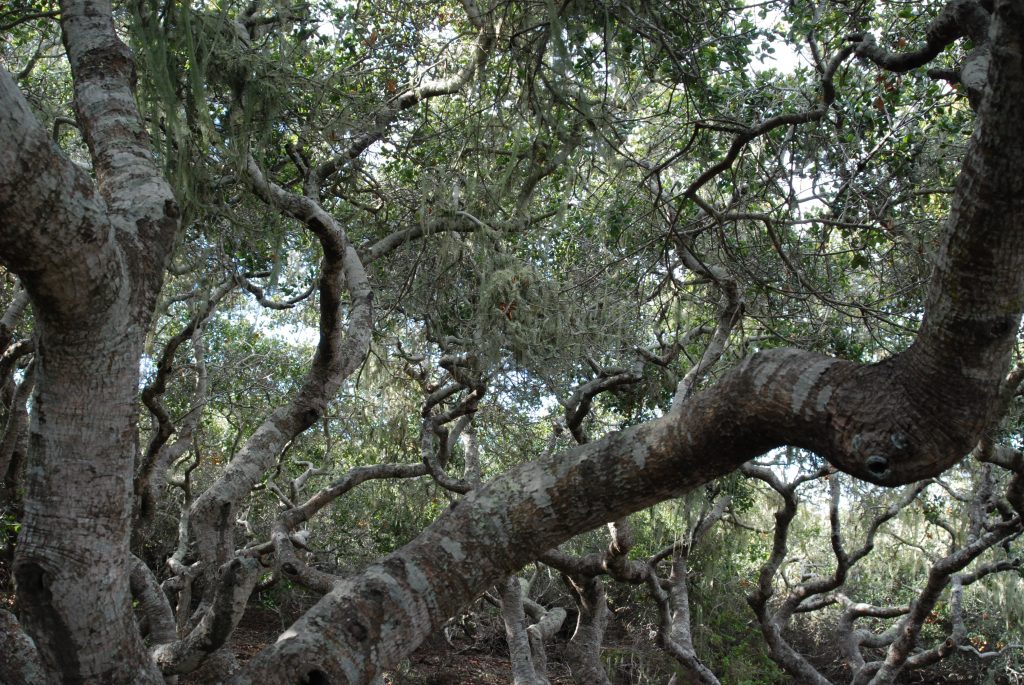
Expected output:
(152, 604)
(675, 632)
(583, 653)
(91, 258)
(501, 526)
(546, 623)
(339, 351)
(20, 664)
(851, 640)
(235, 582)
(524, 671)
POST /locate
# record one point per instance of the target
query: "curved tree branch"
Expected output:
(337, 355)
(958, 19)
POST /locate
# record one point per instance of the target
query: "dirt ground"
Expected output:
(436, 663)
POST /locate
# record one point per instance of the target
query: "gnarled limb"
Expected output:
(813, 593)
(900, 654)
(286, 561)
(235, 582)
(546, 622)
(850, 639)
(152, 603)
(772, 624)
(337, 355)
(958, 19)
(674, 627)
(150, 475)
(385, 116)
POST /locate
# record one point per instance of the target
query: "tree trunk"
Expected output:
(584, 649)
(72, 568)
(524, 672)
(91, 256)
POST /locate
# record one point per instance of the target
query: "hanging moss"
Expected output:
(193, 67)
(509, 308)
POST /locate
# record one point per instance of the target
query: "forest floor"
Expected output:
(435, 663)
(483, 661)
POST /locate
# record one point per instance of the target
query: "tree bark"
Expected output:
(20, 665)
(895, 422)
(91, 257)
(524, 671)
(584, 649)
(92, 264)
